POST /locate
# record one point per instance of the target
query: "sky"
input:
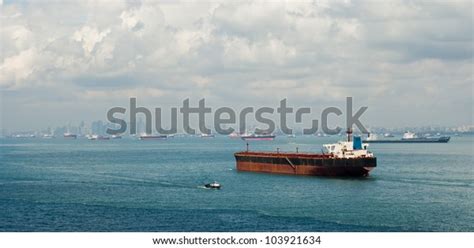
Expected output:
(409, 62)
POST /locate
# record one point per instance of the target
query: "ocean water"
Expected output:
(132, 185)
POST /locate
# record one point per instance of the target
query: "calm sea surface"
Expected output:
(132, 185)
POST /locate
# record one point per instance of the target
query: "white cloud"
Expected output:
(18, 68)
(89, 37)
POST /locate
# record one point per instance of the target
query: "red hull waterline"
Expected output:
(304, 164)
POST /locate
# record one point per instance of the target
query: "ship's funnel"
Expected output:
(357, 144)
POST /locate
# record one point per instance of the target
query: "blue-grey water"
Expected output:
(132, 185)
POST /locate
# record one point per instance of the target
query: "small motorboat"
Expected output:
(214, 185)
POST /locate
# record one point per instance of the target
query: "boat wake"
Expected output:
(430, 182)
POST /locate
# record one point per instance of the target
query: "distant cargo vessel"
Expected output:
(346, 158)
(97, 137)
(207, 135)
(153, 137)
(257, 136)
(409, 137)
(70, 136)
(234, 135)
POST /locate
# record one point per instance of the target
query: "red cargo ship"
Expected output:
(345, 158)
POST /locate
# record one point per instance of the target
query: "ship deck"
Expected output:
(283, 155)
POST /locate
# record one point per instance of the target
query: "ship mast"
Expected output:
(349, 134)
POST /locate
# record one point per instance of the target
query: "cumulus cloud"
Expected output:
(387, 54)
(89, 37)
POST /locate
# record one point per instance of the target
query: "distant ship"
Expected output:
(207, 135)
(257, 136)
(70, 136)
(98, 137)
(23, 136)
(234, 135)
(408, 137)
(346, 158)
(153, 137)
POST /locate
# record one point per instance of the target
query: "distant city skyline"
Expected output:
(410, 63)
(99, 127)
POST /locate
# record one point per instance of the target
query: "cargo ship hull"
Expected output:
(253, 137)
(257, 139)
(413, 140)
(153, 137)
(304, 164)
